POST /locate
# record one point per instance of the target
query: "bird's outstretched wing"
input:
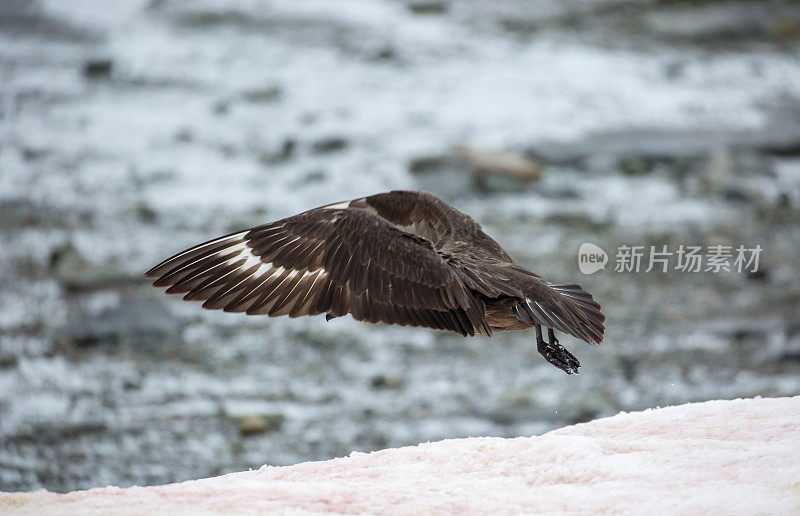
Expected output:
(338, 259)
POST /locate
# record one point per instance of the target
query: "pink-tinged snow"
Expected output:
(728, 457)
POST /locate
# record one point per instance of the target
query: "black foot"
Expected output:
(557, 354)
(329, 316)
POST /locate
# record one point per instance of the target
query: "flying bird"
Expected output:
(402, 257)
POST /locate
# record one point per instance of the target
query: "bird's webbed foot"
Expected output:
(555, 353)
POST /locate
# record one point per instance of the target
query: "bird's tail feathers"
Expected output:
(573, 311)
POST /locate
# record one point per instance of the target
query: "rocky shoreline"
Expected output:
(128, 135)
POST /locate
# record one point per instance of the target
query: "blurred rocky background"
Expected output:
(134, 129)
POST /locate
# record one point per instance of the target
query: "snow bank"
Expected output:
(739, 456)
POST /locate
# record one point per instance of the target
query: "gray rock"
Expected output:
(648, 145)
(328, 145)
(466, 169)
(77, 274)
(509, 164)
(259, 424)
(390, 382)
(98, 69)
(427, 6)
(263, 95)
(282, 154)
(725, 22)
(136, 322)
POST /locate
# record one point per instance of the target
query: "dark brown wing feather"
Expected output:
(566, 308)
(337, 259)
